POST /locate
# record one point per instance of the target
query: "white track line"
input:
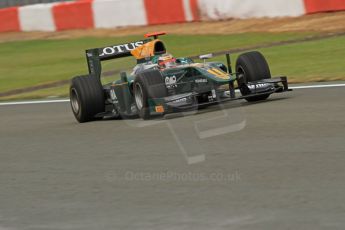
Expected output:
(34, 102)
(316, 86)
(67, 100)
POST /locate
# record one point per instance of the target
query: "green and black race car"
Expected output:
(161, 84)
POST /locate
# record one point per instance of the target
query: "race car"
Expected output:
(161, 84)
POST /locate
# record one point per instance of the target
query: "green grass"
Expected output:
(51, 93)
(321, 60)
(29, 63)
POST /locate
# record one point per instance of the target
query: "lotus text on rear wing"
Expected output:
(118, 49)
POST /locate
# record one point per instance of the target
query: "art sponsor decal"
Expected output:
(120, 49)
(180, 100)
(258, 86)
(170, 82)
(113, 95)
(159, 109)
(201, 80)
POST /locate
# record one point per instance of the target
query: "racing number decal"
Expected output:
(218, 73)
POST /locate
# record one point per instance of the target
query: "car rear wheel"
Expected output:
(86, 98)
(149, 84)
(251, 67)
(139, 95)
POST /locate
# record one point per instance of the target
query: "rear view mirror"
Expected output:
(206, 56)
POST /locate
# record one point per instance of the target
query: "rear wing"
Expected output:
(95, 56)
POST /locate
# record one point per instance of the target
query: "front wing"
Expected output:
(188, 101)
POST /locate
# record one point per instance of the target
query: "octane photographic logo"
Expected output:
(191, 130)
(118, 49)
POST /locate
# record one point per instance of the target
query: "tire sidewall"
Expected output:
(74, 90)
(144, 111)
(90, 97)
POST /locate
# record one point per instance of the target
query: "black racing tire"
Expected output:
(148, 84)
(252, 66)
(87, 98)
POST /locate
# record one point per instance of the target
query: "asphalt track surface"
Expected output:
(278, 164)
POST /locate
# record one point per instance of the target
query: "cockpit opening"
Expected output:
(159, 48)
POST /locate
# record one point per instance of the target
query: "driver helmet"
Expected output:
(166, 61)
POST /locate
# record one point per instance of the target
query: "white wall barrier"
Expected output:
(118, 13)
(225, 9)
(37, 17)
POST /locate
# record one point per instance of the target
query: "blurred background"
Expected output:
(43, 42)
